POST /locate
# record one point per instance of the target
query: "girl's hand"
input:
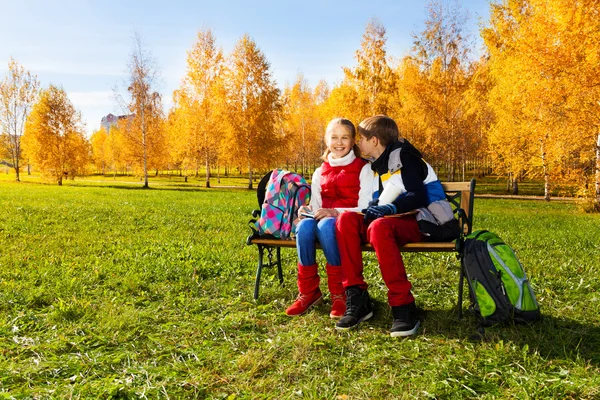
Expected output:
(306, 209)
(326, 212)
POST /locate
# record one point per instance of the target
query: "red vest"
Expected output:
(340, 185)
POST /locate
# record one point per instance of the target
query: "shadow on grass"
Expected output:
(175, 188)
(555, 338)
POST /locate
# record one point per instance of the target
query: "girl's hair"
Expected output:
(346, 124)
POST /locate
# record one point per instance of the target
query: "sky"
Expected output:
(84, 46)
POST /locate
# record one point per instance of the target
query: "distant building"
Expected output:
(112, 120)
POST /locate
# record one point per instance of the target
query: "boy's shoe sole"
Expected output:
(406, 333)
(347, 328)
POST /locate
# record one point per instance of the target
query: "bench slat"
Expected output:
(456, 186)
(410, 247)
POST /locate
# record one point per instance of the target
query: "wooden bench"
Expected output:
(459, 194)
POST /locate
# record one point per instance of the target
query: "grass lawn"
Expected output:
(112, 291)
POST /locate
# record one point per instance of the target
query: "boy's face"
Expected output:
(368, 146)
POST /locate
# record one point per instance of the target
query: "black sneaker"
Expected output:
(405, 322)
(358, 309)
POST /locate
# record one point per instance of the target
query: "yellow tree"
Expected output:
(201, 102)
(18, 93)
(54, 136)
(114, 150)
(412, 118)
(543, 58)
(252, 107)
(98, 142)
(438, 81)
(341, 102)
(478, 114)
(321, 95)
(176, 125)
(372, 78)
(302, 125)
(143, 132)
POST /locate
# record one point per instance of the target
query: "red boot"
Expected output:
(336, 290)
(310, 294)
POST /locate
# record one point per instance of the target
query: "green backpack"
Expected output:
(498, 285)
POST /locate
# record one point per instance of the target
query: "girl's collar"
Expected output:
(338, 162)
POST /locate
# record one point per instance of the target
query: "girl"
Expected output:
(342, 183)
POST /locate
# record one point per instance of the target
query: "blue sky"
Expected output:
(84, 45)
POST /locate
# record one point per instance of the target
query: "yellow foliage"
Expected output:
(252, 108)
(544, 60)
(435, 87)
(54, 137)
(372, 79)
(196, 122)
(98, 142)
(302, 126)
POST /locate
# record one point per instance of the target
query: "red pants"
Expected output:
(385, 235)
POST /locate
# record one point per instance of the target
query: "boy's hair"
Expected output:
(382, 127)
(349, 126)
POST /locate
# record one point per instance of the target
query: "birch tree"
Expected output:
(201, 102)
(18, 93)
(252, 105)
(372, 77)
(438, 83)
(544, 59)
(303, 135)
(143, 132)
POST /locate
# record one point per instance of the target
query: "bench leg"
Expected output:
(461, 282)
(271, 263)
(279, 270)
(261, 251)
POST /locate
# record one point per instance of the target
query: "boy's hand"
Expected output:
(374, 212)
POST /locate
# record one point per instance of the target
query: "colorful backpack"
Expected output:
(283, 192)
(499, 288)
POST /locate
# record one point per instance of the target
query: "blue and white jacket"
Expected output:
(402, 166)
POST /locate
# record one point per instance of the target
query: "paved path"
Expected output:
(518, 197)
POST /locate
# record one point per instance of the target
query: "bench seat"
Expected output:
(429, 247)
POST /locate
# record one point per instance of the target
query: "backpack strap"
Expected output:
(274, 183)
(262, 188)
(479, 234)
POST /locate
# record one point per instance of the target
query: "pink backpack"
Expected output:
(285, 192)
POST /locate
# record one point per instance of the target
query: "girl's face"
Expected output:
(339, 141)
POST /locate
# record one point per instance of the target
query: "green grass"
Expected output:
(119, 292)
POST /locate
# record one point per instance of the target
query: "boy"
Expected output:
(408, 189)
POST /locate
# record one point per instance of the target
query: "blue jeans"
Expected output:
(308, 231)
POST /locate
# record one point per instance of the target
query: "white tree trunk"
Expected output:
(546, 175)
(598, 169)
